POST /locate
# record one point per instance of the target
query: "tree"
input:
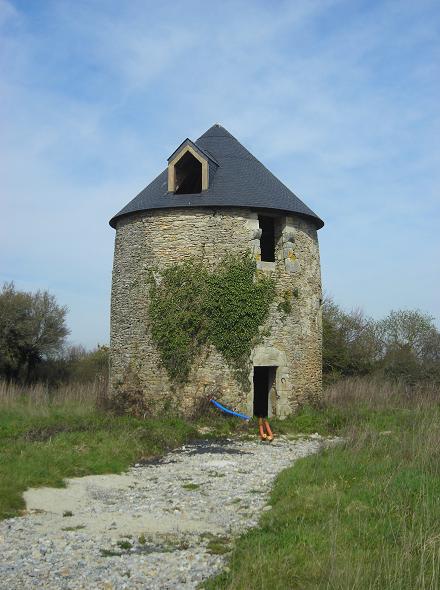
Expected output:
(406, 329)
(32, 329)
(74, 364)
(350, 342)
(411, 345)
(86, 366)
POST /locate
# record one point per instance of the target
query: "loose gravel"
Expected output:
(164, 524)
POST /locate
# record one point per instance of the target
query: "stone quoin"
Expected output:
(215, 199)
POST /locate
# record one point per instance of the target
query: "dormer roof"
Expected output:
(236, 179)
(200, 150)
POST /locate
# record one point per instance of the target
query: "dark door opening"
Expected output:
(264, 378)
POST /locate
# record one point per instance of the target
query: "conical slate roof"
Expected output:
(236, 179)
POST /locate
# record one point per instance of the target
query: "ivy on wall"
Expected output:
(191, 305)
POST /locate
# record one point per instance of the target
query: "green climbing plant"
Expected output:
(191, 305)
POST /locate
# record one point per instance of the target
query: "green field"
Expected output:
(42, 451)
(362, 515)
(46, 437)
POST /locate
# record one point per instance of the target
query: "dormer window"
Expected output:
(188, 175)
(188, 170)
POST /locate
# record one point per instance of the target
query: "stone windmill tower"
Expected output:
(213, 199)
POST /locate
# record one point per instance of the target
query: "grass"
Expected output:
(191, 486)
(218, 546)
(362, 515)
(47, 436)
(67, 513)
(43, 441)
(110, 553)
(74, 528)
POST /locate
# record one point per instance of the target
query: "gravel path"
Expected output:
(162, 525)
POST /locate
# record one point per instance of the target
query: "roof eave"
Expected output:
(310, 217)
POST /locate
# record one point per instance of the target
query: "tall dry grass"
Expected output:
(39, 398)
(377, 393)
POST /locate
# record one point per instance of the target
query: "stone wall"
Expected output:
(291, 342)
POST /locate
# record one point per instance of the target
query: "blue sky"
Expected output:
(340, 99)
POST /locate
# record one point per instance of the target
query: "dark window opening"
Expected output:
(267, 240)
(188, 171)
(264, 379)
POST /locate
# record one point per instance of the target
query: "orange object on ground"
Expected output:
(263, 435)
(268, 430)
(264, 429)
